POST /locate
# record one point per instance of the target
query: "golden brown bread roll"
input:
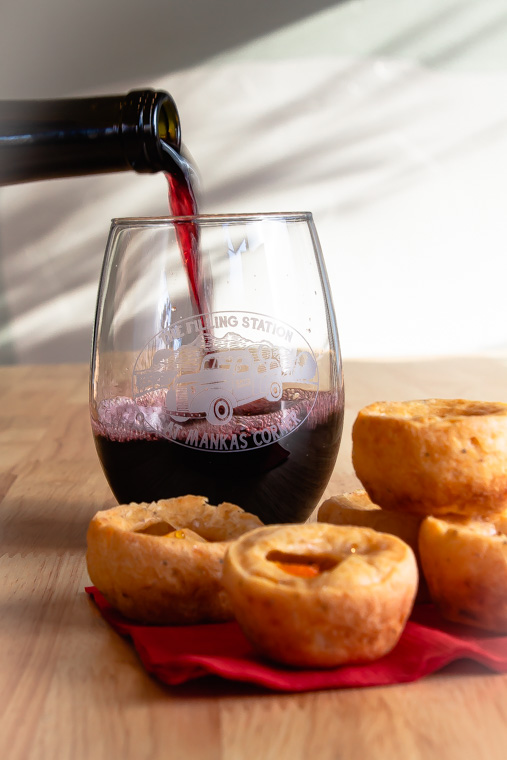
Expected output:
(319, 595)
(434, 456)
(465, 564)
(162, 562)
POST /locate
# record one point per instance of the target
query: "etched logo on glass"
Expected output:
(227, 381)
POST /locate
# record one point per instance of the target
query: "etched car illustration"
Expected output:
(226, 379)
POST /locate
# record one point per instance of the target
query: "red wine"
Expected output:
(278, 477)
(183, 202)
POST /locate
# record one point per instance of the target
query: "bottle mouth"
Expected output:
(150, 121)
(168, 127)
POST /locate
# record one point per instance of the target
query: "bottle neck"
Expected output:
(78, 136)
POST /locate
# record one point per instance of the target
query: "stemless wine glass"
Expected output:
(216, 365)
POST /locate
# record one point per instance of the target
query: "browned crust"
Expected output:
(465, 564)
(434, 456)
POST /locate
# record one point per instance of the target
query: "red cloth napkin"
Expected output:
(177, 654)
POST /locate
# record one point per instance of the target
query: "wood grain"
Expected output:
(72, 688)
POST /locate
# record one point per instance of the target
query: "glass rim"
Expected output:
(148, 221)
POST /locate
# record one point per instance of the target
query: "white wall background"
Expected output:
(385, 118)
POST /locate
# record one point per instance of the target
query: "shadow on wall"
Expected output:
(384, 119)
(61, 48)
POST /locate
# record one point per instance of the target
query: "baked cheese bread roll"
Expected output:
(320, 595)
(162, 562)
(434, 456)
(465, 564)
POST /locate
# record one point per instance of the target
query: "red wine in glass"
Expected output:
(277, 482)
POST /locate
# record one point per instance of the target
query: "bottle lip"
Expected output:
(142, 115)
(162, 221)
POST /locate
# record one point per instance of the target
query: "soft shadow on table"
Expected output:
(213, 686)
(36, 525)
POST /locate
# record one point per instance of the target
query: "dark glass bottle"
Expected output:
(45, 139)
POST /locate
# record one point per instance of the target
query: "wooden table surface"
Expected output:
(72, 688)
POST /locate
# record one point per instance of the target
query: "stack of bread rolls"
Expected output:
(435, 473)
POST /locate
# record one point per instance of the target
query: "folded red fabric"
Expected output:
(178, 654)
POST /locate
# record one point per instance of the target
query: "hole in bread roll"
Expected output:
(301, 565)
(479, 409)
(161, 528)
(299, 571)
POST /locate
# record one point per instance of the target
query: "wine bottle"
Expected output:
(46, 139)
